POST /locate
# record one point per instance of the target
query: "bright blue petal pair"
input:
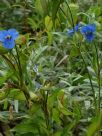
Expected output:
(72, 31)
(8, 37)
(88, 32)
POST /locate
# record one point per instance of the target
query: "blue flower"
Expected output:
(72, 31)
(7, 37)
(88, 32)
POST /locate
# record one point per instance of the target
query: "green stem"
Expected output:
(93, 91)
(98, 76)
(88, 53)
(22, 85)
(19, 67)
(14, 58)
(45, 108)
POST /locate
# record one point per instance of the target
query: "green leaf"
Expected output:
(95, 126)
(32, 23)
(38, 7)
(55, 8)
(74, 52)
(56, 115)
(16, 94)
(48, 23)
(25, 127)
(64, 110)
(44, 5)
(2, 50)
(5, 77)
(57, 133)
(39, 52)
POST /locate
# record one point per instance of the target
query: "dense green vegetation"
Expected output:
(51, 68)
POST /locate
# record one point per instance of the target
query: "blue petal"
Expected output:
(13, 33)
(84, 29)
(2, 35)
(77, 27)
(71, 32)
(89, 38)
(88, 32)
(88, 28)
(8, 44)
(92, 27)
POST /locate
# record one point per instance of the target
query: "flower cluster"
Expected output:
(8, 37)
(87, 31)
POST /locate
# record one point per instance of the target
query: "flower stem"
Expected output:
(98, 76)
(22, 85)
(14, 58)
(19, 66)
(92, 87)
(45, 107)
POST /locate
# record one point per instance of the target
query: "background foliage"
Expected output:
(59, 100)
